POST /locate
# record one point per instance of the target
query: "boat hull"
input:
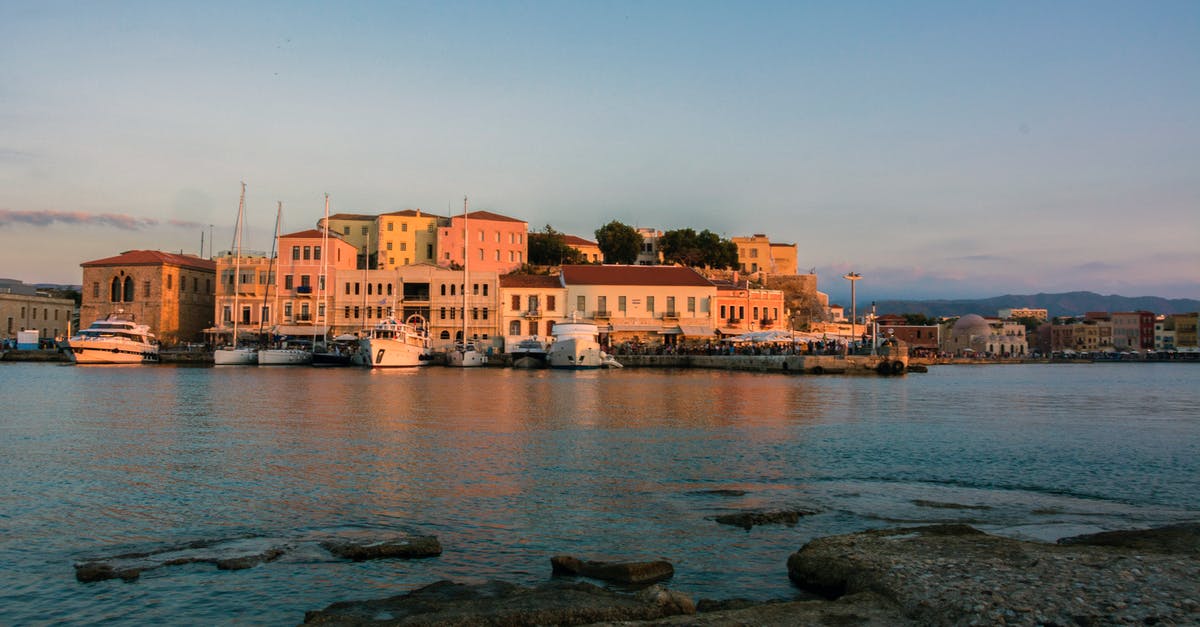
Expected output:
(575, 354)
(465, 359)
(284, 357)
(391, 353)
(235, 357)
(110, 353)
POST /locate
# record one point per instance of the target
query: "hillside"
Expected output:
(1065, 304)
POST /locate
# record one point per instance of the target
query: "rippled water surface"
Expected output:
(509, 467)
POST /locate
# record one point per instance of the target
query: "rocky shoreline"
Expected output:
(932, 575)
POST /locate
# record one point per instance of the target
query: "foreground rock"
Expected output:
(405, 548)
(954, 574)
(499, 603)
(746, 520)
(616, 572)
(230, 554)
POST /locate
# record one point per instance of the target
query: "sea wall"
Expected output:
(793, 364)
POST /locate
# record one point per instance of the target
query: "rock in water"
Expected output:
(957, 575)
(746, 520)
(617, 572)
(500, 603)
(408, 548)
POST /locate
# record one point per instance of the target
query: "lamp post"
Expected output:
(853, 278)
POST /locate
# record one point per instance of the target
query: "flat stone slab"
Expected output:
(957, 575)
(227, 554)
(404, 548)
(746, 520)
(500, 603)
(616, 572)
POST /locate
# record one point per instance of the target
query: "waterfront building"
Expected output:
(359, 230)
(922, 339)
(531, 304)
(757, 253)
(305, 275)
(171, 293)
(649, 254)
(245, 294)
(589, 250)
(975, 335)
(406, 237)
(27, 310)
(1133, 330)
(1092, 334)
(1186, 332)
(496, 243)
(741, 308)
(362, 298)
(644, 304)
(1024, 312)
(1164, 333)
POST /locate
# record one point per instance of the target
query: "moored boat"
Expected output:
(235, 356)
(288, 353)
(115, 339)
(395, 344)
(576, 346)
(528, 353)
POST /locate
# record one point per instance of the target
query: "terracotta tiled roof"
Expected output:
(412, 213)
(351, 216)
(632, 275)
(153, 258)
(574, 240)
(530, 280)
(488, 215)
(309, 234)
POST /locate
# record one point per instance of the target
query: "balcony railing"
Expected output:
(602, 314)
(304, 289)
(670, 315)
(532, 313)
(302, 317)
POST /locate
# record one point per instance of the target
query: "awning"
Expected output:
(692, 330)
(671, 331)
(729, 331)
(637, 328)
(300, 329)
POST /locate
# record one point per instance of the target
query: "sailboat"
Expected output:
(233, 354)
(288, 352)
(465, 354)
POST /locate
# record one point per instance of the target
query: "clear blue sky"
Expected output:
(940, 149)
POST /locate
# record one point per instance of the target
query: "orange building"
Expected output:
(740, 308)
(495, 243)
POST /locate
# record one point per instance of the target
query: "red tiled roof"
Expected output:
(351, 216)
(530, 280)
(488, 215)
(412, 213)
(632, 275)
(153, 258)
(575, 240)
(309, 234)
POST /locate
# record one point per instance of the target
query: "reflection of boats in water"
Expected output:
(394, 344)
(287, 353)
(115, 339)
(576, 346)
(529, 353)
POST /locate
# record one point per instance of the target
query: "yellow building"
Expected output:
(589, 250)
(530, 306)
(359, 230)
(756, 254)
(405, 238)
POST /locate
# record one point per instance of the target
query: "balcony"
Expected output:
(602, 314)
(532, 314)
(734, 320)
(302, 317)
(304, 289)
(671, 315)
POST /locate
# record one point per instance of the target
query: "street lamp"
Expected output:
(853, 278)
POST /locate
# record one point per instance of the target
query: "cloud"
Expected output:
(113, 220)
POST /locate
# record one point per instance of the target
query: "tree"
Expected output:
(686, 247)
(619, 242)
(550, 248)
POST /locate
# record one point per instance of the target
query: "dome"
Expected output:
(971, 324)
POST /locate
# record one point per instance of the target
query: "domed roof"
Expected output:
(971, 324)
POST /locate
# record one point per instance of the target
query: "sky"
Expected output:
(939, 149)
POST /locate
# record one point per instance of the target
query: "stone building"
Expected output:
(26, 310)
(172, 293)
(975, 335)
(757, 253)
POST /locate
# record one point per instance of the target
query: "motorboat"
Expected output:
(287, 353)
(575, 346)
(338, 353)
(235, 356)
(394, 344)
(115, 339)
(528, 353)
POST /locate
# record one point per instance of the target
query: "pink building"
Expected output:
(301, 288)
(495, 243)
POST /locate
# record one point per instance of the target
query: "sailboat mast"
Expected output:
(466, 271)
(237, 265)
(324, 269)
(271, 274)
(275, 254)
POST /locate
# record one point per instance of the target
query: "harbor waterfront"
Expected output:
(509, 467)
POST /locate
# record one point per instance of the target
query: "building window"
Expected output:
(390, 225)
(443, 289)
(475, 289)
(485, 315)
(95, 289)
(550, 302)
(403, 227)
(346, 230)
(295, 253)
(691, 304)
(364, 230)
(316, 253)
(389, 244)
(581, 303)
(128, 289)
(442, 313)
(347, 288)
(485, 286)
(145, 289)
(287, 310)
(516, 302)
(287, 282)
(429, 251)
(307, 253)
(650, 304)
(670, 304)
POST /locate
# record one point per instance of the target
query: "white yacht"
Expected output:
(235, 356)
(394, 344)
(116, 339)
(576, 346)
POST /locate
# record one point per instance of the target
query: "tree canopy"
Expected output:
(686, 247)
(619, 242)
(550, 248)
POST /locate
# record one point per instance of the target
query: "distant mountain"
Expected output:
(1067, 304)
